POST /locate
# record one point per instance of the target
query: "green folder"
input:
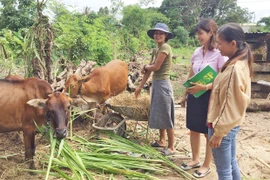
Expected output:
(205, 76)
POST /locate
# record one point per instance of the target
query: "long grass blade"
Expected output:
(60, 148)
(53, 143)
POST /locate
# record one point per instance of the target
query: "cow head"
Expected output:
(57, 111)
(74, 83)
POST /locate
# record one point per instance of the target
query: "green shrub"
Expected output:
(173, 75)
(181, 37)
(183, 54)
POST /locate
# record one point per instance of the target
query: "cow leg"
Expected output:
(29, 144)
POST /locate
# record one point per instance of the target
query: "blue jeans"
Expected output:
(225, 156)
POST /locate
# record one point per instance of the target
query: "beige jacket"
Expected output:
(230, 97)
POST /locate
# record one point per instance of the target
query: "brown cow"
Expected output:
(102, 83)
(17, 98)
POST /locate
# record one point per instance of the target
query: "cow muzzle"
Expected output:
(60, 133)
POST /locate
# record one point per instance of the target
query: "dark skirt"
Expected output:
(197, 109)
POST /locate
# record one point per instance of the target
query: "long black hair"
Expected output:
(233, 32)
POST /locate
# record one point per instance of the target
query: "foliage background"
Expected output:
(116, 32)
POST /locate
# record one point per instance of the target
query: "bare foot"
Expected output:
(192, 163)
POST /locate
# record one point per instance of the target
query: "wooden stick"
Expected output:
(147, 131)
(263, 162)
(244, 174)
(186, 149)
(249, 136)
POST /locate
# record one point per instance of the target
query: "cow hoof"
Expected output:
(32, 166)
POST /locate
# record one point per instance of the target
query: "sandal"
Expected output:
(198, 174)
(155, 144)
(185, 167)
(166, 152)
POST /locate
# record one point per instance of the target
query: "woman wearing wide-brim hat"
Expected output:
(162, 102)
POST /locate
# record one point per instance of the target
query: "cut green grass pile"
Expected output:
(81, 158)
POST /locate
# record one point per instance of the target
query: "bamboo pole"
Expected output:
(263, 162)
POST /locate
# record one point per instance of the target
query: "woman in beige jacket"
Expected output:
(229, 100)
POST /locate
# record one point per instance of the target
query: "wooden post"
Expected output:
(268, 50)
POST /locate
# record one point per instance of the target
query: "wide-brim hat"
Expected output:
(160, 27)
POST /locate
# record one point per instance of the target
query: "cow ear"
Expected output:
(85, 79)
(39, 103)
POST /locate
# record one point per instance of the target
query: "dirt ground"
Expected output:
(253, 148)
(253, 145)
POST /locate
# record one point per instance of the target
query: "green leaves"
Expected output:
(17, 14)
(78, 39)
(187, 13)
(266, 21)
(104, 35)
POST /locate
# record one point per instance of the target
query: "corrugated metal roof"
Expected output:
(259, 33)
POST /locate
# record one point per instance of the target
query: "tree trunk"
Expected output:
(42, 66)
(47, 49)
(37, 69)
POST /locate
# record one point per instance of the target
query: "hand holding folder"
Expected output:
(205, 76)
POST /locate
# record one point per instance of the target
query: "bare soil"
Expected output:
(253, 145)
